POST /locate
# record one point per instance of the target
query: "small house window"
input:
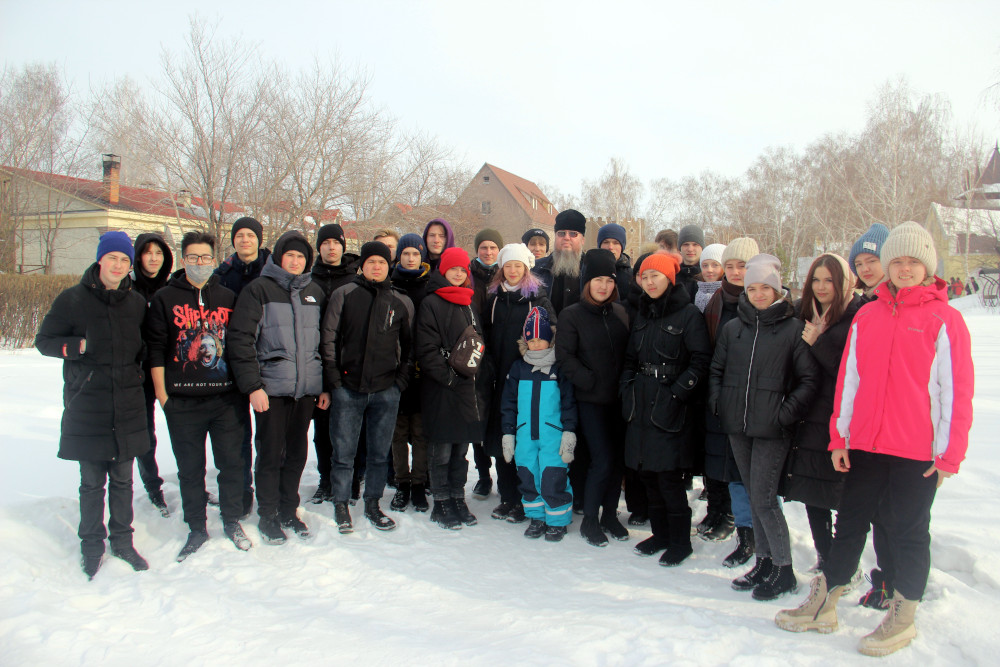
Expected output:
(486, 206)
(486, 180)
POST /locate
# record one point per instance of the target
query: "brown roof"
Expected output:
(991, 175)
(519, 188)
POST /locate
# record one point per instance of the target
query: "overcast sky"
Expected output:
(552, 90)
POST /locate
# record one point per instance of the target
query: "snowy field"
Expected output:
(421, 595)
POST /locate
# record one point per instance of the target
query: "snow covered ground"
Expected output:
(422, 595)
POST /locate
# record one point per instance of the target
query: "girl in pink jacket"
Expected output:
(900, 427)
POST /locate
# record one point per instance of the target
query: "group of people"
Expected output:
(694, 360)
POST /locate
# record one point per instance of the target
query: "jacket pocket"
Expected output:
(670, 342)
(628, 401)
(668, 413)
(77, 387)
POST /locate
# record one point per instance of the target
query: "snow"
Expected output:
(419, 594)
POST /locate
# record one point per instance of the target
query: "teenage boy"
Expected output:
(438, 237)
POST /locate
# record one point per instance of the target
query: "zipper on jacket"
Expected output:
(746, 398)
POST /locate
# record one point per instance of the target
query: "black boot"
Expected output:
(708, 523)
(722, 529)
(535, 529)
(445, 516)
(156, 497)
(516, 514)
(679, 534)
(374, 514)
(195, 539)
(638, 519)
(296, 525)
(418, 496)
(555, 533)
(744, 547)
(610, 523)
(779, 581)
(880, 595)
(270, 530)
(322, 493)
(91, 564)
(342, 515)
(463, 513)
(591, 531)
(132, 557)
(234, 531)
(481, 491)
(401, 498)
(661, 536)
(758, 573)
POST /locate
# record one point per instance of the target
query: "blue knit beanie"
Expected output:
(871, 242)
(115, 242)
(537, 325)
(411, 241)
(611, 231)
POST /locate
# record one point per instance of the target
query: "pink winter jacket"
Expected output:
(906, 379)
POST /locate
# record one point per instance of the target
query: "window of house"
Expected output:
(486, 180)
(486, 206)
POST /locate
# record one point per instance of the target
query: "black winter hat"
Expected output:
(335, 232)
(375, 249)
(596, 263)
(247, 223)
(571, 220)
(293, 240)
(532, 233)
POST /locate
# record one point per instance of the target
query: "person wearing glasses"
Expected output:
(186, 331)
(560, 272)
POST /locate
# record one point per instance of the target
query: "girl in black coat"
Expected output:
(454, 412)
(666, 364)
(512, 293)
(593, 334)
(95, 328)
(762, 379)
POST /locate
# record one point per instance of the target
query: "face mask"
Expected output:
(198, 273)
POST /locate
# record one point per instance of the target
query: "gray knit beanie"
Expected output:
(765, 269)
(910, 240)
(691, 234)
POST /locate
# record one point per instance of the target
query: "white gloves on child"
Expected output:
(508, 447)
(567, 445)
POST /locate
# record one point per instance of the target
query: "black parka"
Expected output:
(763, 375)
(235, 274)
(481, 277)
(591, 349)
(332, 277)
(415, 289)
(452, 409)
(809, 473)
(670, 339)
(142, 283)
(104, 409)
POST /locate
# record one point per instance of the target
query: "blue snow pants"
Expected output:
(545, 489)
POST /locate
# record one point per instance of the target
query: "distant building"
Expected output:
(500, 200)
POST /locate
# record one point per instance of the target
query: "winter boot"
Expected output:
(132, 557)
(708, 523)
(296, 525)
(880, 595)
(679, 534)
(270, 530)
(501, 511)
(651, 546)
(418, 497)
(895, 631)
(744, 547)
(322, 493)
(638, 519)
(463, 513)
(661, 534)
(555, 533)
(757, 574)
(516, 514)
(374, 514)
(401, 498)
(195, 539)
(444, 515)
(481, 491)
(781, 580)
(818, 612)
(610, 523)
(156, 497)
(535, 529)
(234, 531)
(591, 531)
(91, 564)
(722, 529)
(342, 515)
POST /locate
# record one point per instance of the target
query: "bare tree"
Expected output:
(617, 195)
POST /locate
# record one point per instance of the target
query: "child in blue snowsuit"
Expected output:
(538, 417)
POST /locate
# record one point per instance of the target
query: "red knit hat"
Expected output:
(453, 257)
(665, 263)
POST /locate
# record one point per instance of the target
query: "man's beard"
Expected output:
(566, 263)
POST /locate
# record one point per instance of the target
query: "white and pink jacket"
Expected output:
(906, 379)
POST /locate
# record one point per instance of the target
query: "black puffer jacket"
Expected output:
(591, 349)
(235, 274)
(763, 375)
(331, 278)
(623, 278)
(141, 283)
(104, 411)
(415, 288)
(809, 473)
(481, 277)
(666, 365)
(274, 333)
(687, 276)
(503, 319)
(453, 410)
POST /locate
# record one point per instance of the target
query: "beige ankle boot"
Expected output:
(895, 631)
(818, 612)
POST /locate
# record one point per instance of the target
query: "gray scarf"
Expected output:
(541, 361)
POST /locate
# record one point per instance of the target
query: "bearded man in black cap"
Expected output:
(560, 272)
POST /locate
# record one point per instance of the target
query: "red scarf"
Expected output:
(460, 296)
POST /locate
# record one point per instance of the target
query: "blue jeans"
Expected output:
(348, 409)
(740, 501)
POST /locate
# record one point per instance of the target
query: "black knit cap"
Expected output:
(596, 263)
(252, 225)
(532, 233)
(571, 220)
(335, 232)
(375, 249)
(293, 240)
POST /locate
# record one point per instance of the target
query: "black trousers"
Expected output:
(635, 493)
(667, 500)
(896, 490)
(322, 445)
(220, 418)
(281, 453)
(602, 433)
(149, 472)
(507, 481)
(482, 459)
(93, 476)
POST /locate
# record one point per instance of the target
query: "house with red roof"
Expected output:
(508, 203)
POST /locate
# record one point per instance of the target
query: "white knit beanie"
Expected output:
(518, 252)
(910, 240)
(742, 249)
(713, 252)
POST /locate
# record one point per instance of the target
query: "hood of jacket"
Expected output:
(284, 278)
(142, 282)
(348, 266)
(918, 295)
(675, 298)
(449, 233)
(773, 314)
(91, 279)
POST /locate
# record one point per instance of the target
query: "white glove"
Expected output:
(508, 447)
(567, 445)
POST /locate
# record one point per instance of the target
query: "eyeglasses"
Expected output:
(565, 233)
(199, 259)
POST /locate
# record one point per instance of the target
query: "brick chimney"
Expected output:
(112, 169)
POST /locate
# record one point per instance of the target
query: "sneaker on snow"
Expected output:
(234, 531)
(535, 529)
(374, 514)
(91, 564)
(481, 491)
(195, 539)
(610, 523)
(156, 497)
(418, 498)
(132, 557)
(342, 515)
(297, 526)
(271, 530)
(555, 533)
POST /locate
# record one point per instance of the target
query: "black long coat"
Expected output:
(104, 409)
(809, 473)
(452, 409)
(720, 464)
(590, 349)
(662, 410)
